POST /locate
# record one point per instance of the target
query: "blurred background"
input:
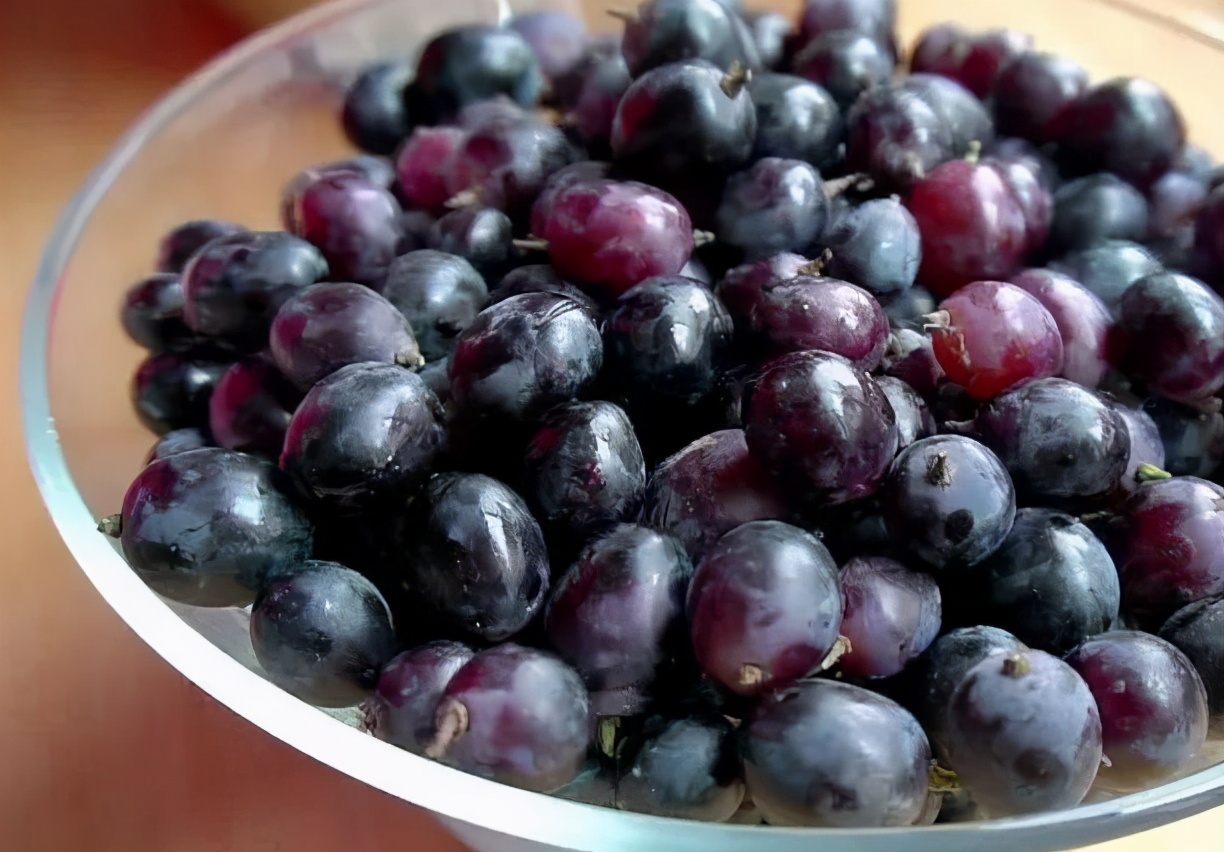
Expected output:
(103, 747)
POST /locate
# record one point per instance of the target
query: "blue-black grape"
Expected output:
(439, 293)
(401, 711)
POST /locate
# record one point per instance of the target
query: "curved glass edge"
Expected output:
(480, 803)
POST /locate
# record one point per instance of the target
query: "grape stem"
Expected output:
(1017, 665)
(531, 244)
(1146, 472)
(940, 780)
(736, 78)
(702, 238)
(817, 266)
(938, 471)
(622, 15)
(453, 723)
(840, 648)
(974, 154)
(840, 186)
(750, 675)
(469, 197)
(111, 525)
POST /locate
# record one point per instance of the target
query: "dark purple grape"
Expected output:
(516, 715)
(1197, 631)
(557, 38)
(476, 556)
(375, 117)
(709, 488)
(1174, 204)
(1168, 543)
(584, 467)
(1084, 323)
(891, 615)
(436, 376)
(182, 242)
(505, 164)
(540, 278)
(910, 358)
(250, 408)
(1034, 94)
(520, 357)
(769, 31)
(233, 287)
(1024, 734)
(439, 294)
(1146, 446)
(875, 245)
(354, 222)
(796, 120)
(1108, 269)
(1051, 584)
(328, 326)
(811, 312)
(480, 235)
(1127, 126)
(594, 110)
(1062, 444)
(1209, 228)
(204, 527)
(914, 420)
(379, 171)
(667, 339)
(968, 122)
(874, 17)
(1096, 208)
(1152, 703)
(172, 391)
(666, 31)
(774, 206)
(941, 668)
(822, 427)
(617, 614)
(1012, 150)
(686, 767)
(1191, 441)
(1177, 327)
(423, 166)
(401, 710)
(949, 501)
(823, 753)
(364, 432)
(845, 63)
(896, 138)
(972, 59)
(473, 63)
(322, 632)
(741, 288)
(175, 442)
(152, 314)
(909, 308)
(764, 607)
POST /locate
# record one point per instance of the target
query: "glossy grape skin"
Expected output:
(353, 222)
(895, 136)
(233, 286)
(1084, 324)
(423, 166)
(557, 38)
(474, 63)
(152, 314)
(822, 427)
(379, 171)
(476, 556)
(250, 408)
(891, 614)
(941, 668)
(328, 326)
(709, 488)
(775, 205)
(812, 312)
(971, 224)
(796, 119)
(322, 632)
(540, 278)
(909, 308)
(769, 31)
(1146, 446)
(823, 753)
(401, 710)
(665, 31)
(1096, 208)
(439, 294)
(1152, 703)
(181, 242)
(611, 235)
(1127, 126)
(873, 17)
(617, 614)
(967, 121)
(507, 164)
(575, 174)
(949, 500)
(1174, 203)
(875, 245)
(516, 715)
(175, 442)
(480, 235)
(594, 109)
(584, 467)
(374, 116)
(972, 59)
(520, 357)
(1034, 94)
(914, 420)
(1074, 464)
(366, 431)
(1167, 541)
(677, 119)
(764, 607)
(1181, 325)
(996, 337)
(741, 289)
(1191, 441)
(1108, 269)
(204, 527)
(1197, 630)
(1024, 734)
(667, 338)
(910, 359)
(172, 391)
(845, 63)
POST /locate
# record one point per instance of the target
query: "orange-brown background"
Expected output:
(103, 747)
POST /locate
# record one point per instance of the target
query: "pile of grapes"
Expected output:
(727, 419)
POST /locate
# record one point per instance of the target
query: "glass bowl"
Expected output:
(221, 145)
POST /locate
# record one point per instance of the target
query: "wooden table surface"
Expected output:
(103, 747)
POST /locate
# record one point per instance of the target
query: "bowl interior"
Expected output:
(221, 146)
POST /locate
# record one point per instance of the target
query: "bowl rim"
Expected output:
(445, 791)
